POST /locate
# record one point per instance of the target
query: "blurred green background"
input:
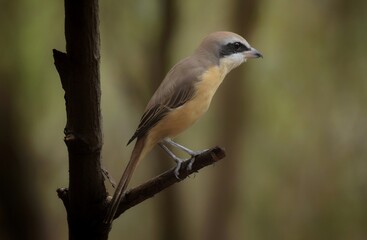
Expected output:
(293, 123)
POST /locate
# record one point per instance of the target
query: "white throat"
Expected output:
(230, 62)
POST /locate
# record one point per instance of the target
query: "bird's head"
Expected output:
(228, 49)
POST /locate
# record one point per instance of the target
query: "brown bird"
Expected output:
(182, 98)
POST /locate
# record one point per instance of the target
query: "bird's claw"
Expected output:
(193, 158)
(177, 170)
(189, 166)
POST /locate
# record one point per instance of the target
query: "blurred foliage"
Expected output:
(302, 169)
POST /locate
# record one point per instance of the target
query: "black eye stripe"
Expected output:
(233, 47)
(237, 45)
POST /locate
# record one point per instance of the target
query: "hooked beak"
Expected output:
(253, 53)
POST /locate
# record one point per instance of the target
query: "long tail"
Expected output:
(136, 155)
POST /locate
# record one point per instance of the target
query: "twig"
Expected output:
(168, 178)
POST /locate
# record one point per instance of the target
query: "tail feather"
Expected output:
(136, 155)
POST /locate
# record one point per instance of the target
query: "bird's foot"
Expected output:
(193, 157)
(189, 166)
(177, 170)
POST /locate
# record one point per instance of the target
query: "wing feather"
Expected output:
(179, 96)
(176, 89)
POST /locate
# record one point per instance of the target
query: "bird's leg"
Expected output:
(192, 153)
(174, 157)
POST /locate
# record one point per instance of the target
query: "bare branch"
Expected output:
(166, 179)
(63, 194)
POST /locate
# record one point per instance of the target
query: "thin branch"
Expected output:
(63, 194)
(166, 179)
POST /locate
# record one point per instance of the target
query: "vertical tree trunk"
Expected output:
(79, 73)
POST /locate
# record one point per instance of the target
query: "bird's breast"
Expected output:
(206, 88)
(181, 118)
(193, 109)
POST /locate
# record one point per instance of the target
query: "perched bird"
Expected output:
(182, 98)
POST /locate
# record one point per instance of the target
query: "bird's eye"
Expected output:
(237, 45)
(232, 48)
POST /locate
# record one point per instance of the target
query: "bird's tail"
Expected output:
(136, 155)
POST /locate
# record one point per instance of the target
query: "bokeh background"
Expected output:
(293, 123)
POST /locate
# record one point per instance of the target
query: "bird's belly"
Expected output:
(181, 118)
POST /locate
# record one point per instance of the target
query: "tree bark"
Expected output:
(79, 72)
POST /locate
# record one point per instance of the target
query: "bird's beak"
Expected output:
(253, 53)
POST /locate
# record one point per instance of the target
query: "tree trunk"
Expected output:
(85, 200)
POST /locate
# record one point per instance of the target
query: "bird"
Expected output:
(182, 98)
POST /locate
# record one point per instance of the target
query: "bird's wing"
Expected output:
(169, 95)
